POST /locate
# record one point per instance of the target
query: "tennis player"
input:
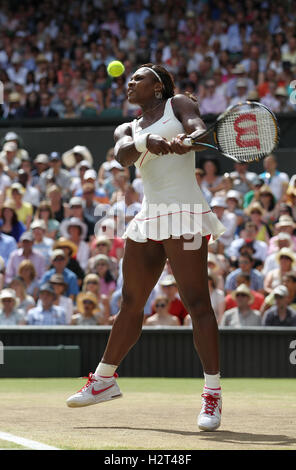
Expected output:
(175, 222)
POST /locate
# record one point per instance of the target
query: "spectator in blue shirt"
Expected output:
(47, 313)
(245, 263)
(7, 246)
(59, 263)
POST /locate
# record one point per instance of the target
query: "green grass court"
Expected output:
(258, 414)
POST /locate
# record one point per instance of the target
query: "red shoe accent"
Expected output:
(211, 403)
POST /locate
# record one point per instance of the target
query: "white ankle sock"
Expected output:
(105, 371)
(212, 381)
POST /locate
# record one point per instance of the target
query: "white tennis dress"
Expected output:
(173, 204)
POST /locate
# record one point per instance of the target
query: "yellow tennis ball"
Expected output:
(115, 68)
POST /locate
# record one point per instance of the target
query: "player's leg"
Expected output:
(142, 266)
(190, 270)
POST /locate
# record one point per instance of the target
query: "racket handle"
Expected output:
(187, 141)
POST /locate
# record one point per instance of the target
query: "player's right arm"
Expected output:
(125, 151)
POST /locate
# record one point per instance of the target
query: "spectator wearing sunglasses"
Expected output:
(162, 315)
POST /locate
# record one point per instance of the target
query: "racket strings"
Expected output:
(247, 133)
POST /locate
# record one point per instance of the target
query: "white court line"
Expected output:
(6, 436)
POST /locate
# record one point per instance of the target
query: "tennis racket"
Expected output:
(245, 132)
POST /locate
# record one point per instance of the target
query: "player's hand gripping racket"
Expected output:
(245, 132)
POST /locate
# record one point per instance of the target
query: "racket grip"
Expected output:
(187, 141)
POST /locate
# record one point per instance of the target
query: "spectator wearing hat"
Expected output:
(15, 108)
(44, 213)
(10, 224)
(59, 286)
(76, 231)
(258, 298)
(102, 245)
(78, 175)
(59, 262)
(73, 158)
(26, 251)
(241, 92)
(87, 311)
(16, 71)
(238, 73)
(242, 315)
(228, 219)
(56, 174)
(283, 240)
(42, 243)
(10, 159)
(280, 314)
(92, 283)
(169, 288)
(75, 209)
(286, 260)
(9, 313)
(46, 313)
(25, 300)
(41, 164)
(284, 105)
(276, 180)
(111, 184)
(285, 224)
(90, 177)
(102, 269)
(246, 265)
(70, 250)
(24, 210)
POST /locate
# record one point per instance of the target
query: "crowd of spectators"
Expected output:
(54, 55)
(61, 246)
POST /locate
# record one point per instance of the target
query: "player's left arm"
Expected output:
(187, 111)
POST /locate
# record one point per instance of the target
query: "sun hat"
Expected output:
(254, 206)
(8, 293)
(101, 257)
(47, 287)
(41, 158)
(243, 289)
(285, 221)
(285, 251)
(65, 242)
(38, 223)
(281, 290)
(26, 236)
(56, 253)
(68, 157)
(82, 296)
(9, 146)
(218, 201)
(57, 279)
(168, 280)
(73, 222)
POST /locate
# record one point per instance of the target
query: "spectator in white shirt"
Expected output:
(228, 219)
(213, 101)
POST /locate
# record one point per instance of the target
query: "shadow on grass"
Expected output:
(225, 436)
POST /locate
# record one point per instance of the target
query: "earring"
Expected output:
(158, 95)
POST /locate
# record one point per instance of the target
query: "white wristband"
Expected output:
(140, 142)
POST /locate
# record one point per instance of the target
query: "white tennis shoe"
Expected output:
(209, 418)
(95, 391)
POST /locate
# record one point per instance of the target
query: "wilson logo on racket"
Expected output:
(245, 132)
(242, 131)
